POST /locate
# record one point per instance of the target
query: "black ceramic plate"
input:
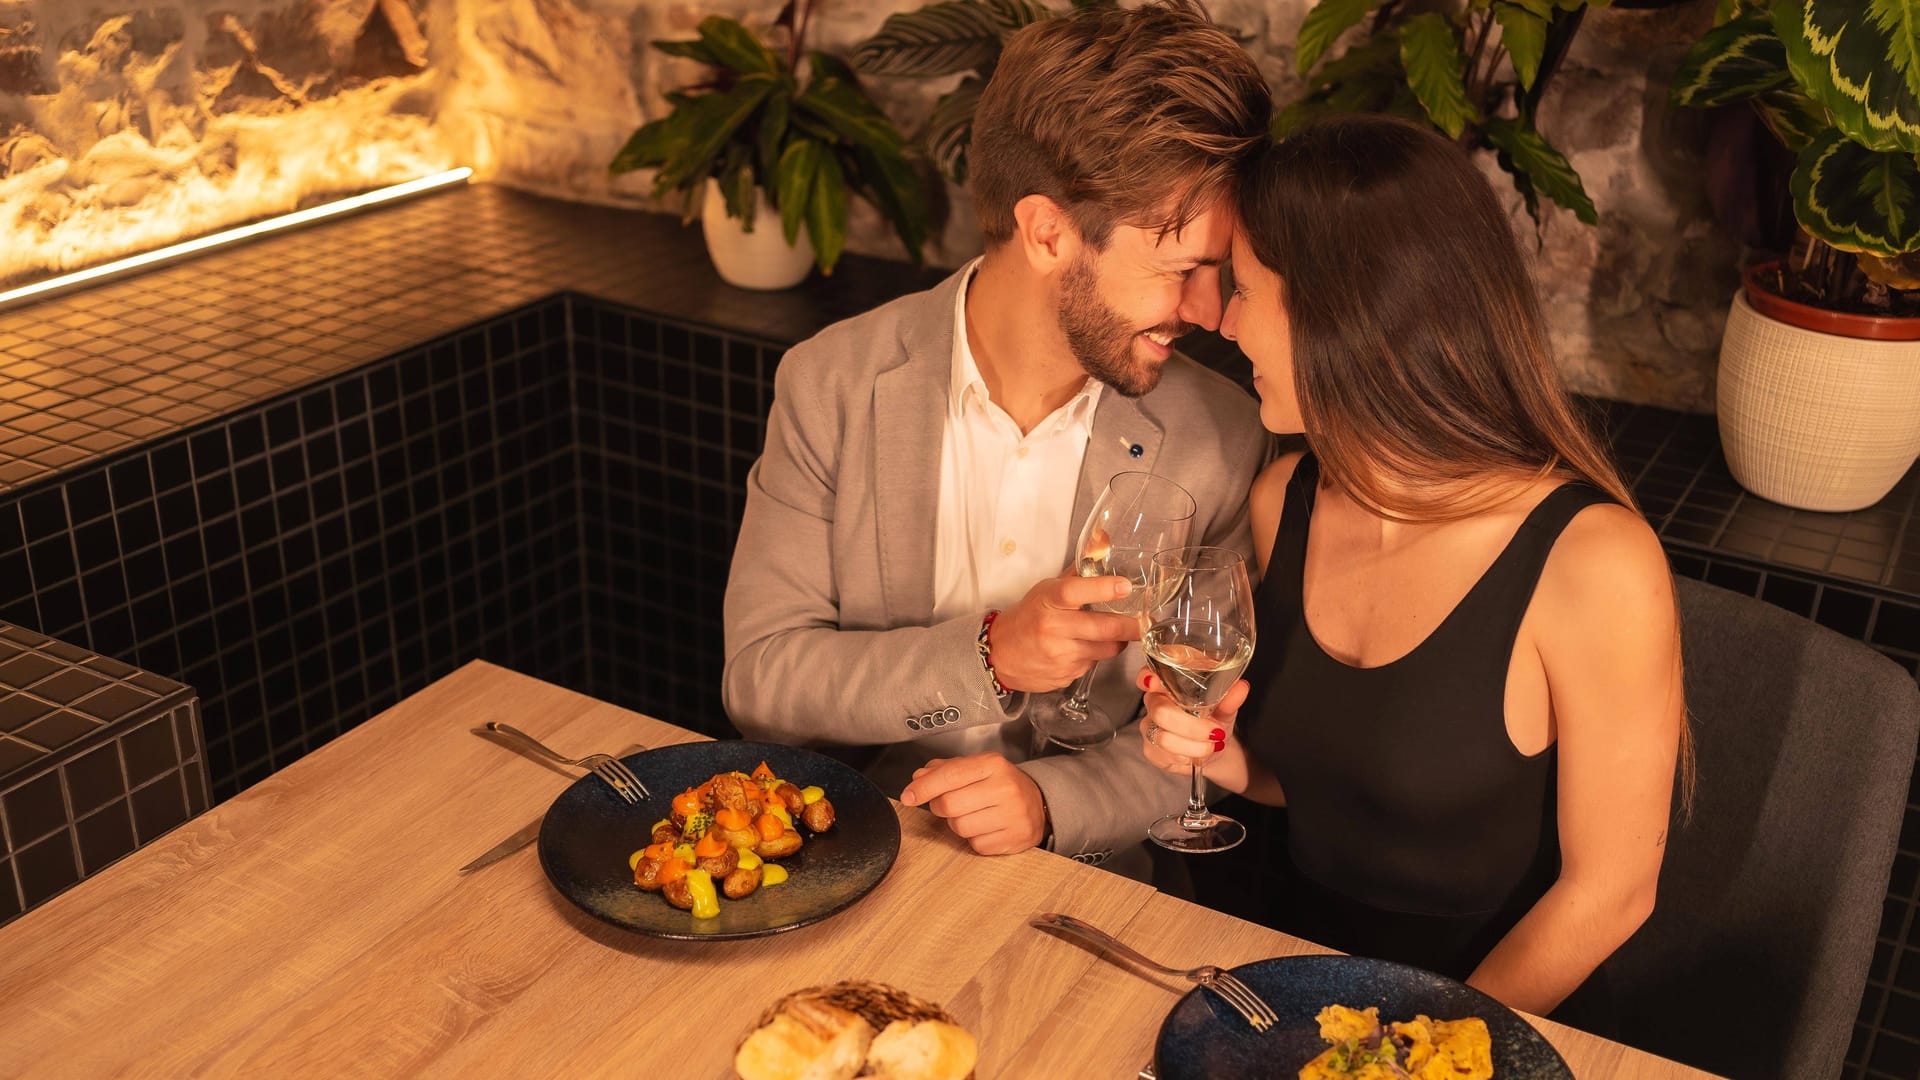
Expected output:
(590, 831)
(1204, 1039)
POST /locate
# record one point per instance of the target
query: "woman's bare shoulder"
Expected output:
(1607, 573)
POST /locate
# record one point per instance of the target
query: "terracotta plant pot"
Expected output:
(1818, 410)
(761, 259)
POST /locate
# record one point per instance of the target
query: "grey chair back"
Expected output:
(1755, 957)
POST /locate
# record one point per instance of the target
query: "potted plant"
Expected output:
(1476, 72)
(755, 140)
(1819, 379)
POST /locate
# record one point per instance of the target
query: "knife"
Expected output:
(526, 834)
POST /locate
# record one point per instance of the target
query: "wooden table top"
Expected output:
(315, 924)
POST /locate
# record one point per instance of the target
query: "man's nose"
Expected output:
(1200, 300)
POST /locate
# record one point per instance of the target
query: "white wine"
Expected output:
(1197, 662)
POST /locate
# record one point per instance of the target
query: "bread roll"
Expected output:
(928, 1050)
(810, 1041)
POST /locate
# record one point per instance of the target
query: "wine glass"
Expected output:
(1199, 637)
(1136, 515)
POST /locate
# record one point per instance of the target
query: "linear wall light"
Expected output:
(243, 232)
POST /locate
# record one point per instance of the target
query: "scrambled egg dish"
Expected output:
(1422, 1049)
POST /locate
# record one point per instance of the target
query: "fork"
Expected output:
(605, 766)
(1222, 982)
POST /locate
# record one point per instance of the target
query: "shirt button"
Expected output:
(1021, 452)
(1006, 547)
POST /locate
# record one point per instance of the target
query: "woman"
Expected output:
(1467, 687)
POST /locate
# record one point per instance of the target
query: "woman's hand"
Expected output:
(1175, 739)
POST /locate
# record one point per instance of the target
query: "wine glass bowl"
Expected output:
(1136, 515)
(1197, 609)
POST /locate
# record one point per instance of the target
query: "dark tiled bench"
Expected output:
(96, 759)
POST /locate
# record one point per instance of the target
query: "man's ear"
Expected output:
(1045, 234)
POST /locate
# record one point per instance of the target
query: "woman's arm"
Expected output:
(1604, 624)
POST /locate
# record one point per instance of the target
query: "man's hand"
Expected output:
(987, 802)
(1046, 641)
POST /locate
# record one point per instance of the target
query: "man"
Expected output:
(898, 577)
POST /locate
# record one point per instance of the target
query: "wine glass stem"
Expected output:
(1198, 814)
(1075, 703)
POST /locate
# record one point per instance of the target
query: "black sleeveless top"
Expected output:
(1417, 831)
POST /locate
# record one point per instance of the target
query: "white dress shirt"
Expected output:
(1005, 509)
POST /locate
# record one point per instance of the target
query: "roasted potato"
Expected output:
(740, 883)
(746, 837)
(729, 792)
(785, 844)
(679, 894)
(790, 797)
(818, 815)
(720, 865)
(646, 874)
(666, 833)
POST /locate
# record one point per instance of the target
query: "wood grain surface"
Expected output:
(314, 925)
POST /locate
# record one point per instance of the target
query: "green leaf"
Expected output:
(1324, 25)
(1014, 14)
(1524, 35)
(939, 39)
(1732, 62)
(1727, 10)
(1792, 116)
(691, 50)
(1526, 154)
(734, 47)
(711, 121)
(1431, 54)
(736, 185)
(773, 128)
(1861, 60)
(1542, 8)
(793, 182)
(1857, 199)
(827, 212)
(651, 145)
(949, 129)
(1380, 55)
(889, 182)
(847, 110)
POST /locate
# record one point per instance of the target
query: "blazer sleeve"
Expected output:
(792, 674)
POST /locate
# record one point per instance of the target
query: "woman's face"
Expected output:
(1256, 319)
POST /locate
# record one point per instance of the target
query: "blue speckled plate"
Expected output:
(1204, 1039)
(589, 832)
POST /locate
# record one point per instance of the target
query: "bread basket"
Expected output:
(876, 1003)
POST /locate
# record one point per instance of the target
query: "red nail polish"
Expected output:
(1217, 735)
(1219, 745)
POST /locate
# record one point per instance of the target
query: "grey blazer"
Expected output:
(830, 638)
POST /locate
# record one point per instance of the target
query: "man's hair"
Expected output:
(1136, 116)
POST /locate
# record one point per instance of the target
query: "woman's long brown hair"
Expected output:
(1420, 356)
(1419, 349)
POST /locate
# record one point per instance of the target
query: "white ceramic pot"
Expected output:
(761, 259)
(1816, 420)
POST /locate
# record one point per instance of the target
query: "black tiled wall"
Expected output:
(308, 561)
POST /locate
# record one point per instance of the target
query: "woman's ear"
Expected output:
(1045, 234)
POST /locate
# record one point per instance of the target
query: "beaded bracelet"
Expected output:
(986, 655)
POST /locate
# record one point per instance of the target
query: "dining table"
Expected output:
(316, 924)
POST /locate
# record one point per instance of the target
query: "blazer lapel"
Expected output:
(910, 410)
(1119, 426)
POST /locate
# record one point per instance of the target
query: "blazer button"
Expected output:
(912, 724)
(926, 720)
(951, 714)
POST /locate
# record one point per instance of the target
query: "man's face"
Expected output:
(1122, 308)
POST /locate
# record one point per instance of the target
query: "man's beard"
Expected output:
(1100, 339)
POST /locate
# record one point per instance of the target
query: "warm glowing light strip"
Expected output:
(243, 232)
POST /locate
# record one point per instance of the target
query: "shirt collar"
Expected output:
(965, 383)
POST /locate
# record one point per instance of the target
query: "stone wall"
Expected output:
(118, 125)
